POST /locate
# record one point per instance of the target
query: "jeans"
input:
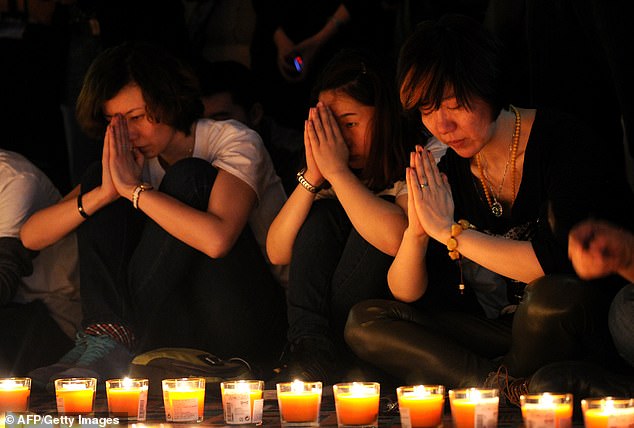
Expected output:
(332, 268)
(134, 273)
(559, 318)
(621, 322)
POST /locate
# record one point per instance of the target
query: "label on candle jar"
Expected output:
(486, 414)
(142, 405)
(185, 410)
(545, 418)
(238, 409)
(406, 421)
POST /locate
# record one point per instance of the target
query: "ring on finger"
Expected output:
(423, 185)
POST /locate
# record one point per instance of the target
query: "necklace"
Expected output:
(492, 200)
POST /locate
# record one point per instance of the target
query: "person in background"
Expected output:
(166, 222)
(598, 249)
(486, 293)
(40, 309)
(342, 225)
(230, 91)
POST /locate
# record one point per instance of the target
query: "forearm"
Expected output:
(407, 277)
(202, 230)
(378, 221)
(51, 224)
(328, 31)
(513, 259)
(283, 230)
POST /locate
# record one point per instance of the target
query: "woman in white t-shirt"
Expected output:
(340, 241)
(168, 223)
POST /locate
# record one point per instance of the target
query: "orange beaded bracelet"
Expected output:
(452, 246)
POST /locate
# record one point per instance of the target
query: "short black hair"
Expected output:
(453, 53)
(169, 86)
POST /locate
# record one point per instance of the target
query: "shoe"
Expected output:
(41, 376)
(310, 360)
(104, 358)
(511, 388)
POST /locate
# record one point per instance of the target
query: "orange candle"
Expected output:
(357, 403)
(242, 401)
(421, 406)
(184, 399)
(469, 405)
(75, 396)
(299, 402)
(127, 398)
(14, 394)
(547, 410)
(608, 412)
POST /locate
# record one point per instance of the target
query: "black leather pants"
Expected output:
(559, 318)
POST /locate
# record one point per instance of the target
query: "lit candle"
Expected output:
(14, 394)
(421, 405)
(547, 410)
(127, 398)
(474, 407)
(357, 403)
(608, 412)
(75, 396)
(242, 401)
(184, 399)
(299, 402)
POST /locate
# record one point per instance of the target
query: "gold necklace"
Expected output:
(492, 200)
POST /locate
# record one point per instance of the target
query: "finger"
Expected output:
(331, 126)
(421, 177)
(445, 181)
(318, 126)
(431, 171)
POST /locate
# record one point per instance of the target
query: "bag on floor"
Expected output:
(170, 363)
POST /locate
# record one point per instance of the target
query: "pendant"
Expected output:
(496, 209)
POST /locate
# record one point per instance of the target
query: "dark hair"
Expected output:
(358, 75)
(229, 76)
(170, 89)
(454, 53)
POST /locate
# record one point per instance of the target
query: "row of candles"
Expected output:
(356, 403)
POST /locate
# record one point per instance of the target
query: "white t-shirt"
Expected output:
(233, 147)
(24, 189)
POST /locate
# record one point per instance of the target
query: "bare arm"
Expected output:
(435, 209)
(378, 221)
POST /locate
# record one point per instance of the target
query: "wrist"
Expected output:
(316, 179)
(137, 191)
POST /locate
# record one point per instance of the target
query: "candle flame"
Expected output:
(421, 391)
(546, 400)
(126, 383)
(608, 405)
(474, 394)
(8, 384)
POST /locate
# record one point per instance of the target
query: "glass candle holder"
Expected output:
(184, 399)
(357, 404)
(14, 394)
(242, 401)
(607, 412)
(421, 405)
(473, 407)
(75, 396)
(127, 398)
(299, 403)
(547, 410)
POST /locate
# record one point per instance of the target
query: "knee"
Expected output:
(621, 322)
(359, 332)
(190, 181)
(556, 296)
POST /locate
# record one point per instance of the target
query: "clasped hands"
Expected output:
(326, 151)
(121, 162)
(430, 206)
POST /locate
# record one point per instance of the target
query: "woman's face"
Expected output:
(465, 131)
(355, 121)
(147, 136)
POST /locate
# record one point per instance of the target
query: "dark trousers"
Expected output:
(29, 338)
(559, 318)
(332, 268)
(136, 274)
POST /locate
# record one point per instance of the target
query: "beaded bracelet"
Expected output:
(305, 184)
(452, 246)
